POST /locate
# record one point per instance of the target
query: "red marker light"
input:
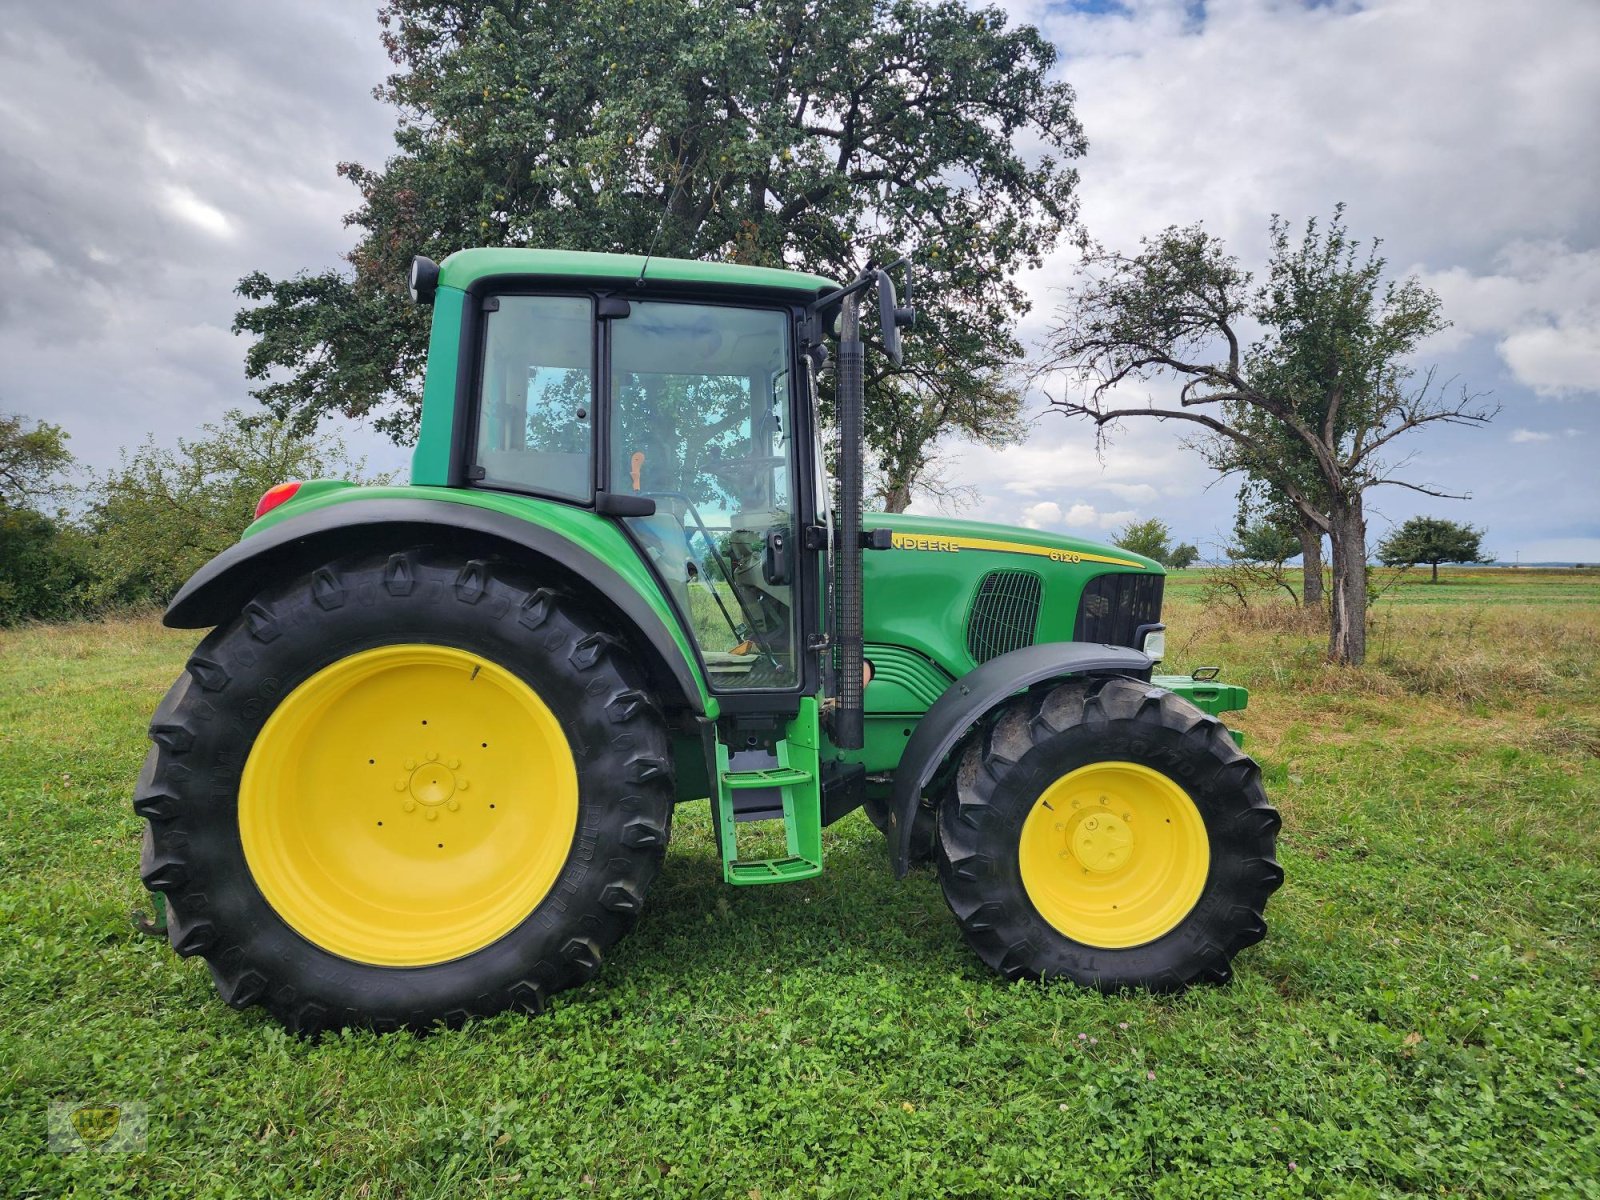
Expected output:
(276, 495)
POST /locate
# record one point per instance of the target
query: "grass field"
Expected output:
(1422, 1020)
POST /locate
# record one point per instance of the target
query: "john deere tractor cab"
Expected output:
(425, 762)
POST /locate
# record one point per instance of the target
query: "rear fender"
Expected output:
(301, 543)
(966, 702)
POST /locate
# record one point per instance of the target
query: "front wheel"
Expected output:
(404, 789)
(1111, 833)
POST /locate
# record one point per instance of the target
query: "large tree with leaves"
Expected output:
(1313, 405)
(33, 455)
(40, 569)
(773, 132)
(1432, 540)
(159, 517)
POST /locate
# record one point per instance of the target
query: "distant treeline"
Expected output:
(128, 538)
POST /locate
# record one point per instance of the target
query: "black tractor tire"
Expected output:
(204, 729)
(1036, 739)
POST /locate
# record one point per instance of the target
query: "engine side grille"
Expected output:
(1005, 614)
(1114, 606)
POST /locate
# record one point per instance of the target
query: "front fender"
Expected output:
(220, 589)
(968, 699)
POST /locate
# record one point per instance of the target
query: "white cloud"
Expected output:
(1559, 361)
(1541, 305)
(1137, 492)
(1443, 133)
(1530, 435)
(150, 189)
(207, 218)
(1042, 515)
(1079, 516)
(1047, 514)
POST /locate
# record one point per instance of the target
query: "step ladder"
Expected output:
(789, 790)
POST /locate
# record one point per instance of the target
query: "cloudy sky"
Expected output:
(152, 152)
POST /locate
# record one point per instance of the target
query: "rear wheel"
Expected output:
(404, 789)
(1111, 833)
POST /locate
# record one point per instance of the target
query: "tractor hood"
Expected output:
(960, 592)
(945, 535)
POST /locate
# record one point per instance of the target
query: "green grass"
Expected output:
(1422, 1020)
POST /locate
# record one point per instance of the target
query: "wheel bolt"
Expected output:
(433, 814)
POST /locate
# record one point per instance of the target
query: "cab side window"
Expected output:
(536, 396)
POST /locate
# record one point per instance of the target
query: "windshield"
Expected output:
(700, 404)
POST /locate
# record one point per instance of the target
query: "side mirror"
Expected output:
(894, 317)
(424, 280)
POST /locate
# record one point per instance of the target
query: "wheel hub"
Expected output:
(432, 783)
(1102, 842)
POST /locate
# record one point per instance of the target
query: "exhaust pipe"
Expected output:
(847, 609)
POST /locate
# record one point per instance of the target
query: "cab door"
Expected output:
(702, 419)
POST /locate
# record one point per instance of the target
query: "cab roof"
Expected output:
(466, 267)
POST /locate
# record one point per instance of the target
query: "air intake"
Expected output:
(1005, 614)
(1115, 606)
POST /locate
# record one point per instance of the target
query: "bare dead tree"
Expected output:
(1313, 405)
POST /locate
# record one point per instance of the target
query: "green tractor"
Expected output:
(424, 765)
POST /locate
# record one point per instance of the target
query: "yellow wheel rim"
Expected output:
(1114, 854)
(408, 805)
